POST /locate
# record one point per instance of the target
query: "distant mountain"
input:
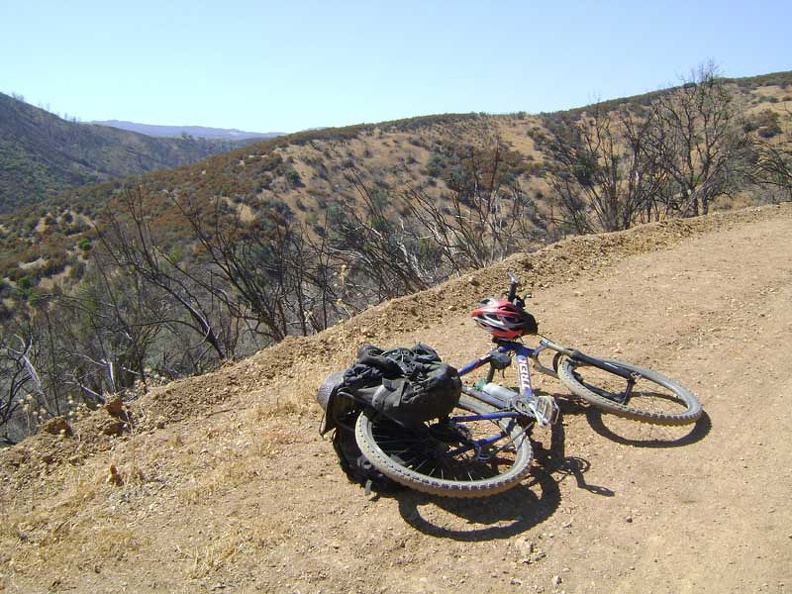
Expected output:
(42, 154)
(194, 131)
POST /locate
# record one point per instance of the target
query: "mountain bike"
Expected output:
(483, 447)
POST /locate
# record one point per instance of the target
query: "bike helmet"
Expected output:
(503, 319)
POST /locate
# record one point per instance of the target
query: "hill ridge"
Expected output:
(41, 153)
(177, 131)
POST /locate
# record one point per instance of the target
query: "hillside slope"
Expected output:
(41, 154)
(224, 485)
(422, 168)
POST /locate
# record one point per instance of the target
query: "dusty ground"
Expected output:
(223, 484)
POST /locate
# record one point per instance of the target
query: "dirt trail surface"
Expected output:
(223, 484)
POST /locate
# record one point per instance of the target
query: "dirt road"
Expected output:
(225, 486)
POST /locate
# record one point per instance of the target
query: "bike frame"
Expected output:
(522, 403)
(522, 353)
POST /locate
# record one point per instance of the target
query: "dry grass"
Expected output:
(83, 528)
(105, 509)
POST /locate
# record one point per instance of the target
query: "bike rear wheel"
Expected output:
(648, 396)
(466, 455)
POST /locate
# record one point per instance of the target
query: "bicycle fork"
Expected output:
(578, 356)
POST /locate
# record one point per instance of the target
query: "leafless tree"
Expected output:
(773, 158)
(269, 273)
(484, 217)
(602, 176)
(695, 137)
(106, 330)
(379, 247)
(127, 237)
(20, 385)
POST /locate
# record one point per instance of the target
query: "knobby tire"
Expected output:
(429, 458)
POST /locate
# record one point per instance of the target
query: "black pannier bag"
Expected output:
(408, 385)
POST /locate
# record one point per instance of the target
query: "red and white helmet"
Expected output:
(503, 319)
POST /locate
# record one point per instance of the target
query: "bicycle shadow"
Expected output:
(644, 435)
(507, 514)
(525, 506)
(556, 460)
(504, 515)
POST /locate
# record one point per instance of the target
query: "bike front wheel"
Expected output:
(630, 391)
(474, 452)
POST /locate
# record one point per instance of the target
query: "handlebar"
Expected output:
(513, 297)
(514, 282)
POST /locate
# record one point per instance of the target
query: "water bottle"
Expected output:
(498, 391)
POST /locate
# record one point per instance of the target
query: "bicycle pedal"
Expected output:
(545, 410)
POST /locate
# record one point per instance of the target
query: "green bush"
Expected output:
(293, 177)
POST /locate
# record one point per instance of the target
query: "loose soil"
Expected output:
(221, 483)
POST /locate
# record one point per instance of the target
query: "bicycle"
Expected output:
(483, 447)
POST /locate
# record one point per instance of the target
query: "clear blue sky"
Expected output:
(289, 65)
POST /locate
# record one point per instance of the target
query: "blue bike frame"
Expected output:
(524, 402)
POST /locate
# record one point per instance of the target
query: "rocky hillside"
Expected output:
(221, 483)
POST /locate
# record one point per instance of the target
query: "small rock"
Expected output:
(57, 426)
(113, 427)
(526, 547)
(114, 477)
(115, 407)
